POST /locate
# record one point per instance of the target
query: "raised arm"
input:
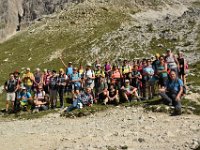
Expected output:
(62, 62)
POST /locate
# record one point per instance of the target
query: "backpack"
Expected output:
(9, 84)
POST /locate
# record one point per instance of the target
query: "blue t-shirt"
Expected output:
(76, 77)
(149, 70)
(69, 71)
(174, 85)
(25, 95)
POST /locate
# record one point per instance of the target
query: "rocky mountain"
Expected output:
(18, 14)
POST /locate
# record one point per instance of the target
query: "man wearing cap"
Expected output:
(75, 81)
(28, 79)
(69, 67)
(129, 91)
(89, 76)
(24, 97)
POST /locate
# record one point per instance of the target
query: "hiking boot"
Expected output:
(177, 112)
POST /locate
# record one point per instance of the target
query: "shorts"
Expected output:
(10, 97)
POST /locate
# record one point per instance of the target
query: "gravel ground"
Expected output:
(120, 128)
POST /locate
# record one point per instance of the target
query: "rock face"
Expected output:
(17, 14)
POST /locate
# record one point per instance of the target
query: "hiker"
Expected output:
(16, 74)
(108, 69)
(128, 91)
(156, 62)
(135, 78)
(69, 67)
(46, 77)
(75, 82)
(116, 77)
(89, 77)
(53, 88)
(28, 80)
(147, 73)
(160, 75)
(25, 98)
(62, 82)
(125, 71)
(10, 87)
(113, 95)
(38, 79)
(172, 62)
(95, 65)
(40, 102)
(102, 90)
(171, 95)
(82, 100)
(99, 74)
(183, 67)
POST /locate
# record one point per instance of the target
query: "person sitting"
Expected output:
(129, 91)
(113, 95)
(82, 100)
(40, 102)
(171, 95)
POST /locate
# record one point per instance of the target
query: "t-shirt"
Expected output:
(148, 70)
(128, 89)
(69, 71)
(53, 83)
(11, 85)
(88, 74)
(76, 77)
(112, 92)
(24, 97)
(85, 98)
(40, 95)
(174, 85)
(27, 78)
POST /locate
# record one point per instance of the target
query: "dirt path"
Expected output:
(117, 128)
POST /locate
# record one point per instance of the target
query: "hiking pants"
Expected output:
(61, 91)
(53, 97)
(170, 97)
(75, 105)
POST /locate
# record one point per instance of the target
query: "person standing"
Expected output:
(53, 88)
(171, 61)
(61, 82)
(10, 87)
(28, 80)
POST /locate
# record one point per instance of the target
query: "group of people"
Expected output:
(121, 81)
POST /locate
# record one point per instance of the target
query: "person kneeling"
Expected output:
(40, 101)
(171, 95)
(83, 99)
